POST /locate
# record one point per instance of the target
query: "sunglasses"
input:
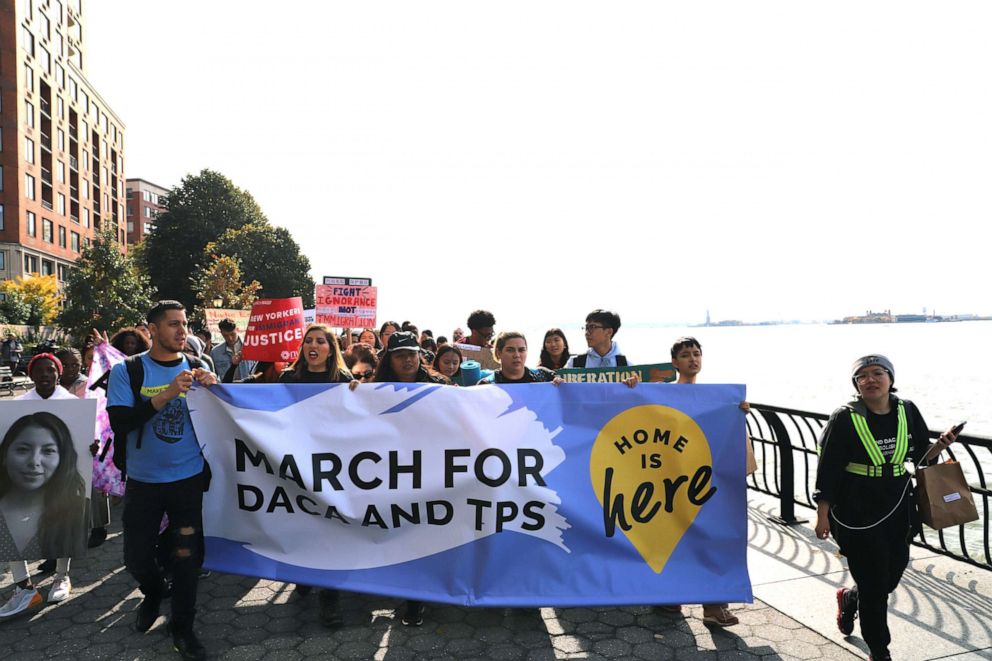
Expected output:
(361, 376)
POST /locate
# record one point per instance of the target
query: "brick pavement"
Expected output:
(249, 618)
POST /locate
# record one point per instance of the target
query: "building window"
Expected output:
(29, 151)
(63, 272)
(148, 212)
(26, 9)
(29, 187)
(86, 189)
(61, 135)
(60, 75)
(45, 58)
(28, 77)
(28, 113)
(3, 260)
(30, 264)
(31, 221)
(47, 267)
(74, 238)
(60, 171)
(46, 230)
(86, 218)
(27, 41)
(61, 203)
(61, 237)
(60, 104)
(44, 25)
(73, 89)
(1, 217)
(1, 186)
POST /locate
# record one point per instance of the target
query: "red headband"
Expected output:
(48, 356)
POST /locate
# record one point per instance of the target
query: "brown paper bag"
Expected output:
(750, 463)
(943, 496)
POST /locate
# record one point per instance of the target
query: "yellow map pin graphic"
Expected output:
(652, 471)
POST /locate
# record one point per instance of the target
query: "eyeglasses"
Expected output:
(361, 376)
(588, 328)
(874, 374)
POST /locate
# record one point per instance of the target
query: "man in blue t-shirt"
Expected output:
(165, 469)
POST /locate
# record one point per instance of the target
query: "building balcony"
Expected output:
(46, 108)
(47, 204)
(73, 163)
(46, 176)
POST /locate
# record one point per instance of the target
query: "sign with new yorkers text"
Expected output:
(613, 495)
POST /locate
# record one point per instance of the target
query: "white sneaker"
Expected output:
(23, 599)
(61, 587)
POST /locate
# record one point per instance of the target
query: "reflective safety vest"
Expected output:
(878, 466)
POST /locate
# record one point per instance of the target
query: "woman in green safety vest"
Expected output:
(864, 496)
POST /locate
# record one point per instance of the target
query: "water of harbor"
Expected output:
(945, 368)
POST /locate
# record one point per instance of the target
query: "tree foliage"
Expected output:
(221, 281)
(39, 293)
(105, 291)
(270, 256)
(200, 210)
(13, 309)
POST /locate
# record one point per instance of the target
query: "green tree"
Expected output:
(40, 293)
(13, 308)
(201, 209)
(105, 291)
(221, 281)
(269, 255)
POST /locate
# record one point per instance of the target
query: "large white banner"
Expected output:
(493, 495)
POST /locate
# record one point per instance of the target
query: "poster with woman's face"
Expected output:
(45, 474)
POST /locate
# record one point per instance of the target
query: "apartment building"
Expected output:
(145, 201)
(61, 145)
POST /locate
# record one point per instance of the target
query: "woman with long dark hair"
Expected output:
(320, 361)
(402, 364)
(554, 350)
(43, 504)
(448, 362)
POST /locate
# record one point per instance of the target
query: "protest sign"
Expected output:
(483, 355)
(275, 330)
(345, 306)
(613, 495)
(657, 373)
(61, 430)
(214, 315)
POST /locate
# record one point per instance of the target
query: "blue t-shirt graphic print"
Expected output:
(169, 449)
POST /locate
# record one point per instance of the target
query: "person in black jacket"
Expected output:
(864, 496)
(401, 364)
(320, 361)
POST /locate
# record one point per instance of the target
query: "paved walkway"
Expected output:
(247, 618)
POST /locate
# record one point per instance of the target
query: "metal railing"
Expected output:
(784, 442)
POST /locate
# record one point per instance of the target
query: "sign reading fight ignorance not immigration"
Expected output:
(519, 495)
(275, 329)
(346, 306)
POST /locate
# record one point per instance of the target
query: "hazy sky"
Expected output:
(763, 160)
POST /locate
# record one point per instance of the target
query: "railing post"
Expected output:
(787, 477)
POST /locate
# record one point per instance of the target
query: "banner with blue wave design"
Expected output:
(515, 495)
